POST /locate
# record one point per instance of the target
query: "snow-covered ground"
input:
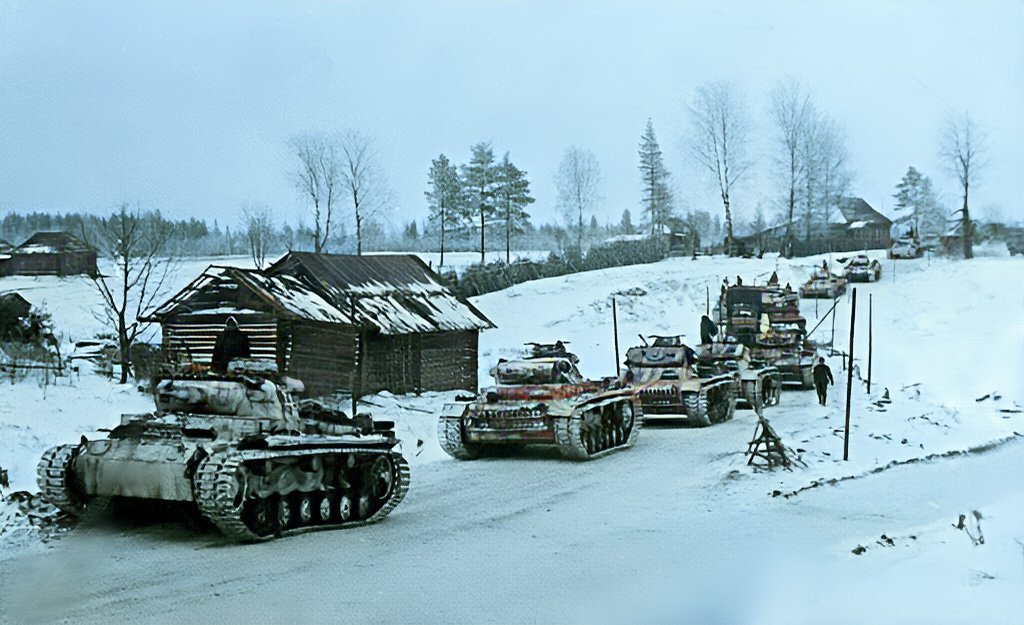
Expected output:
(678, 528)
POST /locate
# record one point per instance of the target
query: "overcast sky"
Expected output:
(187, 108)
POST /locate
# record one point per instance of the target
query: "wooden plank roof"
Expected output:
(393, 294)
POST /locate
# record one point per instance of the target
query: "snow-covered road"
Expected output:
(640, 536)
(677, 529)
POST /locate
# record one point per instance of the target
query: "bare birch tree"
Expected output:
(259, 232)
(577, 180)
(962, 146)
(318, 177)
(135, 244)
(362, 181)
(791, 111)
(721, 133)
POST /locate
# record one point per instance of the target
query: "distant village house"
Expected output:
(855, 225)
(48, 254)
(362, 323)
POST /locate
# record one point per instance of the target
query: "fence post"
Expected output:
(615, 330)
(871, 297)
(849, 378)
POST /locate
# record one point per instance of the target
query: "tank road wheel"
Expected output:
(324, 509)
(285, 513)
(262, 517)
(305, 508)
(382, 478)
(344, 508)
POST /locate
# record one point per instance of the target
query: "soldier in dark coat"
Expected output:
(822, 378)
(232, 343)
(708, 330)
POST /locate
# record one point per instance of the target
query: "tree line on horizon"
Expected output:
(351, 206)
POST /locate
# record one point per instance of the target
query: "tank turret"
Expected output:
(543, 400)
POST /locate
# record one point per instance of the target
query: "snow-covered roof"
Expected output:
(854, 209)
(857, 224)
(52, 243)
(393, 293)
(627, 237)
(285, 295)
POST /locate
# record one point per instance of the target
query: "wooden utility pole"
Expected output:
(357, 361)
(871, 297)
(615, 329)
(849, 378)
(707, 301)
(832, 340)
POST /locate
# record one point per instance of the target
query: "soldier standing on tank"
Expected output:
(708, 330)
(231, 343)
(822, 378)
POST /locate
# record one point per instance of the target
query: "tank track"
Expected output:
(52, 478)
(702, 412)
(449, 435)
(215, 488)
(572, 443)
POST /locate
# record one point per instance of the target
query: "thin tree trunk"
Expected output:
(442, 235)
(728, 224)
(482, 240)
(359, 234)
(967, 236)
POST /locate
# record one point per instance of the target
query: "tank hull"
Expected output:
(228, 484)
(243, 454)
(703, 402)
(581, 428)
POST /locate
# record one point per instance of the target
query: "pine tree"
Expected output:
(914, 194)
(513, 195)
(657, 198)
(480, 180)
(626, 225)
(445, 198)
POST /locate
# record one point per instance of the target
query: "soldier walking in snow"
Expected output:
(822, 378)
(232, 343)
(708, 330)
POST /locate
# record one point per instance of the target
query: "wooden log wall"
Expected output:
(193, 339)
(449, 361)
(321, 355)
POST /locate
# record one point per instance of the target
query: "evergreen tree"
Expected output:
(657, 198)
(480, 180)
(513, 196)
(915, 196)
(626, 225)
(445, 198)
